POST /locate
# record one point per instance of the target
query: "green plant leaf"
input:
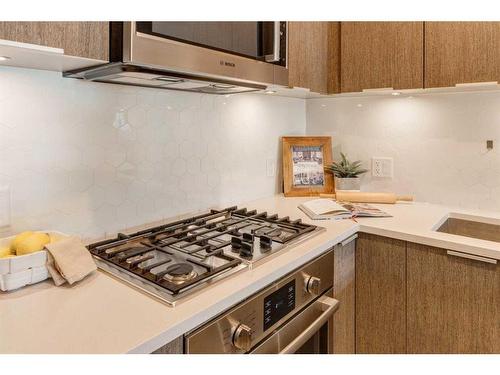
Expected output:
(345, 168)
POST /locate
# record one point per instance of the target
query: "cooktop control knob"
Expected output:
(246, 250)
(242, 337)
(235, 244)
(312, 285)
(248, 237)
(266, 242)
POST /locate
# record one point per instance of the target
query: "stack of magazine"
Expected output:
(326, 208)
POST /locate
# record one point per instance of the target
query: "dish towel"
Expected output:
(69, 261)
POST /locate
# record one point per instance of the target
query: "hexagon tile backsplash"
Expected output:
(437, 141)
(90, 159)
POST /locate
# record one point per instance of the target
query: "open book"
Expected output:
(326, 208)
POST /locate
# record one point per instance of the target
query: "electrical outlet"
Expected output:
(382, 167)
(270, 168)
(4, 206)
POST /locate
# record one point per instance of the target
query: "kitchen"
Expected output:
(160, 150)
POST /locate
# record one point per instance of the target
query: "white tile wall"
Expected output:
(92, 158)
(438, 143)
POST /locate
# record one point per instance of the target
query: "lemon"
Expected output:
(17, 239)
(32, 243)
(5, 252)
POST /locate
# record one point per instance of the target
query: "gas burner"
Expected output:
(176, 258)
(180, 273)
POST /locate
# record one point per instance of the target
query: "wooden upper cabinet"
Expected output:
(381, 55)
(453, 303)
(313, 56)
(461, 52)
(82, 39)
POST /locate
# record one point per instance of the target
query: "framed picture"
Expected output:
(304, 161)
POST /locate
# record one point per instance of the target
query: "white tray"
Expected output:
(18, 271)
(12, 281)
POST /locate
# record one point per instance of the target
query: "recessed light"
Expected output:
(5, 58)
(169, 79)
(396, 94)
(359, 105)
(270, 92)
(222, 86)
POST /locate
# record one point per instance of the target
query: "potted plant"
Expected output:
(346, 173)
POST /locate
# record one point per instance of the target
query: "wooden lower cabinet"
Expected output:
(380, 295)
(453, 303)
(344, 292)
(175, 346)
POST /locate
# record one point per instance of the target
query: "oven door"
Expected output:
(308, 332)
(247, 51)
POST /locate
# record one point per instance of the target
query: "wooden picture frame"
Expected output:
(301, 177)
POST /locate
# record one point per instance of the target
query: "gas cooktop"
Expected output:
(173, 259)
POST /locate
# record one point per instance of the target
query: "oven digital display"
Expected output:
(278, 304)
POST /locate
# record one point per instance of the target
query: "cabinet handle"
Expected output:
(379, 89)
(477, 84)
(470, 256)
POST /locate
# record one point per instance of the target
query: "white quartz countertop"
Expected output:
(104, 315)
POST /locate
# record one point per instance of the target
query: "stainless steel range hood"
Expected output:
(134, 75)
(140, 56)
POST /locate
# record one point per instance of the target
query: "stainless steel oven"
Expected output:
(293, 315)
(209, 57)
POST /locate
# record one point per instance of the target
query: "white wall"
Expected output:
(71, 170)
(438, 143)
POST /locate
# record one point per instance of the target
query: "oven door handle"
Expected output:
(329, 306)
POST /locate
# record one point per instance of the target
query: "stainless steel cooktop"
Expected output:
(173, 259)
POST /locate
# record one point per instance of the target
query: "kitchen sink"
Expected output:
(471, 226)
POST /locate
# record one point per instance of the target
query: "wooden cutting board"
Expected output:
(366, 197)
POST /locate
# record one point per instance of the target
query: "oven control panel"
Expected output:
(248, 323)
(278, 304)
